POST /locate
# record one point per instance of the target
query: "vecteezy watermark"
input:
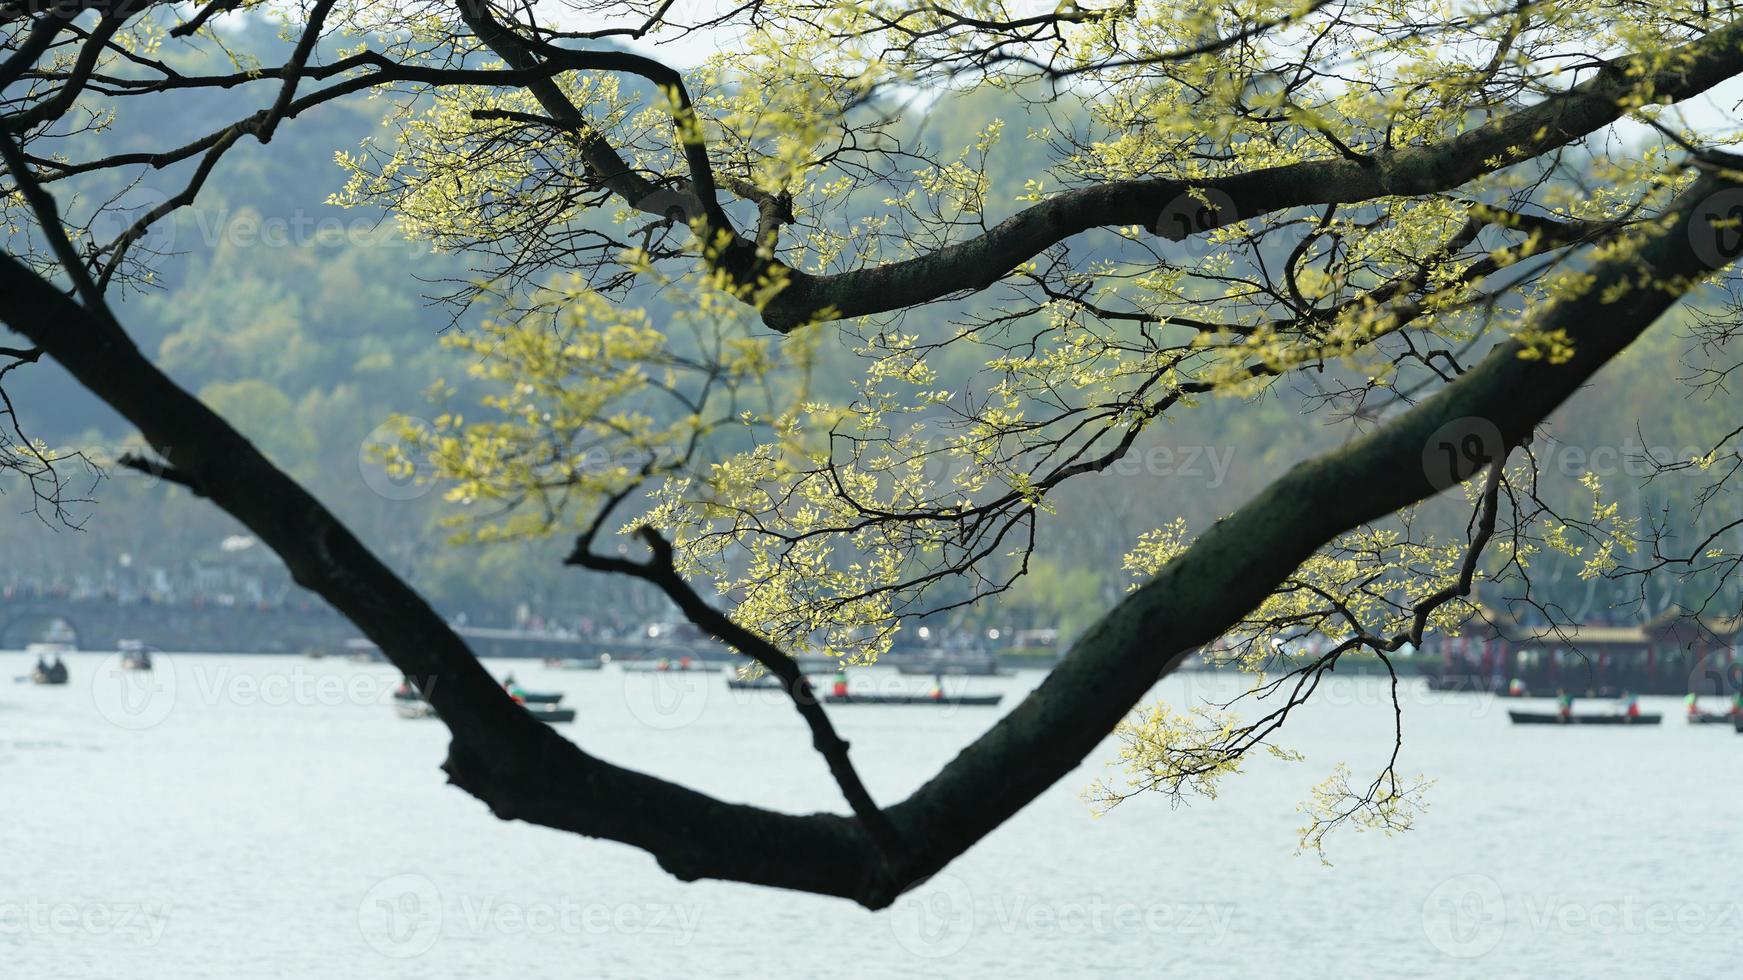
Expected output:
(1455, 452)
(390, 462)
(1628, 457)
(1716, 673)
(1191, 213)
(408, 914)
(939, 917)
(671, 698)
(214, 228)
(137, 699)
(1468, 915)
(138, 922)
(1465, 916)
(676, 203)
(131, 698)
(1716, 228)
(249, 228)
(401, 916)
(935, 919)
(122, 216)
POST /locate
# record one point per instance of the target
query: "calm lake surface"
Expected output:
(245, 817)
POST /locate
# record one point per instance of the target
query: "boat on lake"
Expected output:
(683, 665)
(954, 700)
(417, 708)
(574, 663)
(414, 709)
(55, 673)
(135, 655)
(363, 651)
(1556, 718)
(1712, 718)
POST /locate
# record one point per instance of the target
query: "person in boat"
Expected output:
(1693, 708)
(1737, 703)
(685, 663)
(1564, 704)
(1516, 688)
(58, 671)
(41, 666)
(1630, 705)
(937, 692)
(664, 663)
(840, 688)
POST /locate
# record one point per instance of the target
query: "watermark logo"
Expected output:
(1717, 674)
(1456, 451)
(671, 698)
(389, 459)
(406, 915)
(117, 217)
(142, 923)
(1465, 916)
(401, 917)
(936, 919)
(134, 699)
(1193, 212)
(678, 203)
(1716, 228)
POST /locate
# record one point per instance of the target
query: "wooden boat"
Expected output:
(1555, 718)
(957, 700)
(134, 655)
(572, 663)
(361, 651)
(671, 666)
(530, 697)
(50, 676)
(1712, 718)
(417, 708)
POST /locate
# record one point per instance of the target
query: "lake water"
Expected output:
(273, 817)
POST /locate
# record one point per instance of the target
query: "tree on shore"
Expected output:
(1442, 220)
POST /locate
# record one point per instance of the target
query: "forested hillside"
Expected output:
(310, 326)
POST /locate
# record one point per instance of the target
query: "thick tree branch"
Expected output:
(525, 771)
(1558, 120)
(660, 571)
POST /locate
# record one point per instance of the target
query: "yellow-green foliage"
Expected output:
(821, 513)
